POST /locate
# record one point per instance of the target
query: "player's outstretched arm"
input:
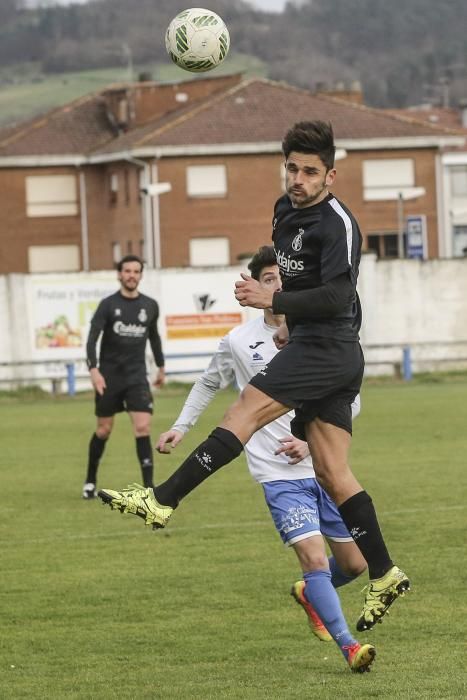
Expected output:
(170, 439)
(217, 375)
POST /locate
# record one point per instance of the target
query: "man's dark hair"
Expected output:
(265, 257)
(127, 259)
(311, 137)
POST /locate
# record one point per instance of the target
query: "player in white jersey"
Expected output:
(302, 511)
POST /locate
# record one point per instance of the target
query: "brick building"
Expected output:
(187, 174)
(452, 205)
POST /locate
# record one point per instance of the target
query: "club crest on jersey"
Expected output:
(142, 316)
(117, 312)
(297, 241)
(256, 357)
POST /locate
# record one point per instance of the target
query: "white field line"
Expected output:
(113, 534)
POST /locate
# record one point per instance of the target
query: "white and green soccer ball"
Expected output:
(197, 40)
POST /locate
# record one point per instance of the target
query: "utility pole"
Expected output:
(400, 226)
(445, 84)
(128, 54)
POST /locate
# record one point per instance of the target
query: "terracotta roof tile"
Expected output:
(439, 116)
(255, 111)
(262, 111)
(75, 128)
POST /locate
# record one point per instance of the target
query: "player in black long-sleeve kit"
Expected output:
(319, 370)
(126, 320)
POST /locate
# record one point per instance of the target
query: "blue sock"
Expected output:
(338, 578)
(320, 592)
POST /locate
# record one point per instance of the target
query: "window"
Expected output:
(209, 251)
(113, 188)
(459, 181)
(385, 179)
(460, 241)
(123, 111)
(116, 252)
(53, 258)
(206, 181)
(51, 195)
(126, 185)
(383, 244)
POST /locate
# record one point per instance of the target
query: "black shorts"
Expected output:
(120, 397)
(318, 378)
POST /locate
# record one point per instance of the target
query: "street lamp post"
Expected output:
(150, 208)
(154, 191)
(400, 226)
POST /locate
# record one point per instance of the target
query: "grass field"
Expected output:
(35, 92)
(96, 606)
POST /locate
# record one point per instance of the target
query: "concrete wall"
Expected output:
(45, 318)
(421, 304)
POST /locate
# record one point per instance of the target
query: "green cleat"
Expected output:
(140, 501)
(381, 593)
(316, 623)
(359, 657)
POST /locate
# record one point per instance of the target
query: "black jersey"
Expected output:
(313, 246)
(126, 325)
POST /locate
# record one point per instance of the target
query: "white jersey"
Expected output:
(241, 354)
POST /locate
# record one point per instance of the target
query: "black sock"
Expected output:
(96, 449)
(220, 448)
(359, 515)
(144, 452)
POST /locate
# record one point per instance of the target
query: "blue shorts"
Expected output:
(300, 509)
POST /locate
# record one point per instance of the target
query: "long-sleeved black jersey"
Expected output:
(318, 253)
(126, 325)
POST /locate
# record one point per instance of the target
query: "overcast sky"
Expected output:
(270, 5)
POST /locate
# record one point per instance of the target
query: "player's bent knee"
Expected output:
(311, 554)
(314, 564)
(142, 431)
(251, 411)
(103, 433)
(240, 421)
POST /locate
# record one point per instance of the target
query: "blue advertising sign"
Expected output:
(416, 236)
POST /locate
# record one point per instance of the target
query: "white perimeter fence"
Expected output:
(415, 319)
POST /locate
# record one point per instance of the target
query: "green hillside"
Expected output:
(35, 93)
(402, 53)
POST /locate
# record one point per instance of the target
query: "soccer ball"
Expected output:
(197, 40)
